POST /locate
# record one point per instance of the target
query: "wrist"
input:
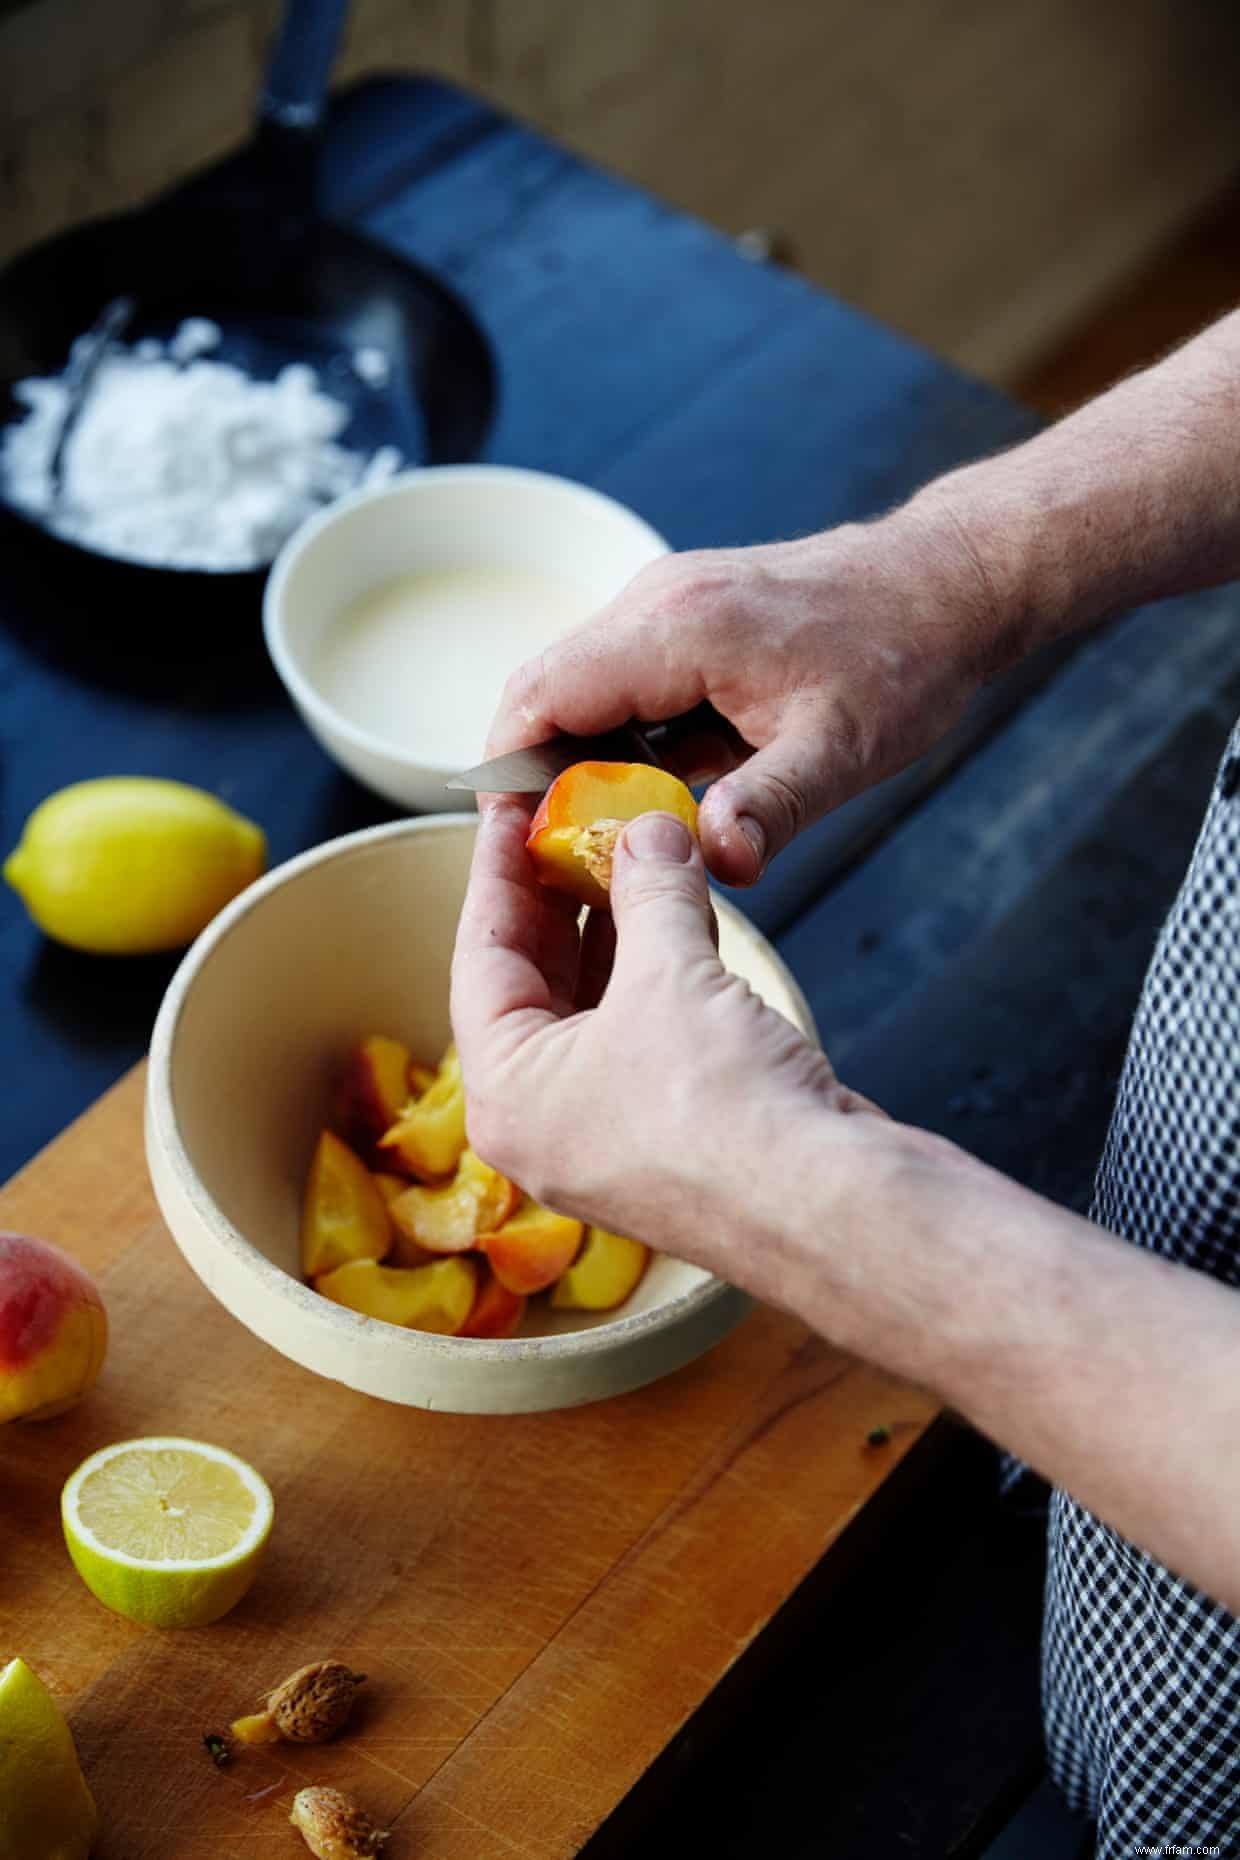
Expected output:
(821, 1251)
(955, 557)
(1091, 516)
(905, 1250)
(1011, 553)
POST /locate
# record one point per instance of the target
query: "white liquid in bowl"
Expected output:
(421, 661)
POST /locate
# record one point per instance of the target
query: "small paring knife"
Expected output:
(532, 771)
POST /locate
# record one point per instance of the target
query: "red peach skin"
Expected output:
(53, 1330)
(532, 1249)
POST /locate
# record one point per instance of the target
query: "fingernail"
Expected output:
(659, 836)
(754, 834)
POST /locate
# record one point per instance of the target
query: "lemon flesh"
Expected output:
(168, 1532)
(46, 1810)
(126, 865)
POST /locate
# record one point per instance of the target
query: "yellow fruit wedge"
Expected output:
(46, 1810)
(344, 1215)
(429, 1136)
(476, 1201)
(126, 865)
(530, 1251)
(603, 1274)
(437, 1298)
(169, 1532)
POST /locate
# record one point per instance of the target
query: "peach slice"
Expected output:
(372, 1091)
(421, 1078)
(497, 1312)
(439, 1297)
(343, 1216)
(53, 1330)
(476, 1201)
(573, 835)
(603, 1274)
(532, 1249)
(429, 1136)
(404, 1252)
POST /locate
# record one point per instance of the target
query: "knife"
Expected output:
(532, 770)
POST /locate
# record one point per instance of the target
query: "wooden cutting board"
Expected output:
(541, 1601)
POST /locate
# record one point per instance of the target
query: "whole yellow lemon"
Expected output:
(126, 865)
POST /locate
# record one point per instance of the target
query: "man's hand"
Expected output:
(656, 1112)
(843, 657)
(683, 1111)
(838, 659)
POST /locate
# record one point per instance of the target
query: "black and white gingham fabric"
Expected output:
(1140, 1672)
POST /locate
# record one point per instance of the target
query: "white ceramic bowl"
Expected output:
(443, 519)
(353, 938)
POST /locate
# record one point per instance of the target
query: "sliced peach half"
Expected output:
(531, 1250)
(343, 1215)
(476, 1201)
(429, 1135)
(573, 835)
(438, 1297)
(605, 1271)
(371, 1091)
(497, 1312)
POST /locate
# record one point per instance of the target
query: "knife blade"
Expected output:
(532, 770)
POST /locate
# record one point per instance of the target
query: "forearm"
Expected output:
(1134, 497)
(1114, 1373)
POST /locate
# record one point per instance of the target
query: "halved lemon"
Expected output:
(168, 1532)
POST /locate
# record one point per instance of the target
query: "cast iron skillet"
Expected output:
(250, 250)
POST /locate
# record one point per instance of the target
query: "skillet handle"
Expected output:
(294, 94)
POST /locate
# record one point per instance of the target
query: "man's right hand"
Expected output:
(838, 659)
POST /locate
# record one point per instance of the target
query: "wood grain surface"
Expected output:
(541, 1601)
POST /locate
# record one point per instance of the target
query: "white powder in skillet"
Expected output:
(179, 461)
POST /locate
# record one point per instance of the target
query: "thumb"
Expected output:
(752, 814)
(659, 897)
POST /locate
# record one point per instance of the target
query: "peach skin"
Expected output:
(53, 1330)
(497, 1312)
(429, 1136)
(530, 1251)
(343, 1215)
(603, 1274)
(439, 1297)
(573, 835)
(476, 1201)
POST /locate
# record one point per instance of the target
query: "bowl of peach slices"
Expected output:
(305, 1134)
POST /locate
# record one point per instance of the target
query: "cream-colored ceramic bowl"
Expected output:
(356, 938)
(443, 521)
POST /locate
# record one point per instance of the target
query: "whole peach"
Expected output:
(53, 1329)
